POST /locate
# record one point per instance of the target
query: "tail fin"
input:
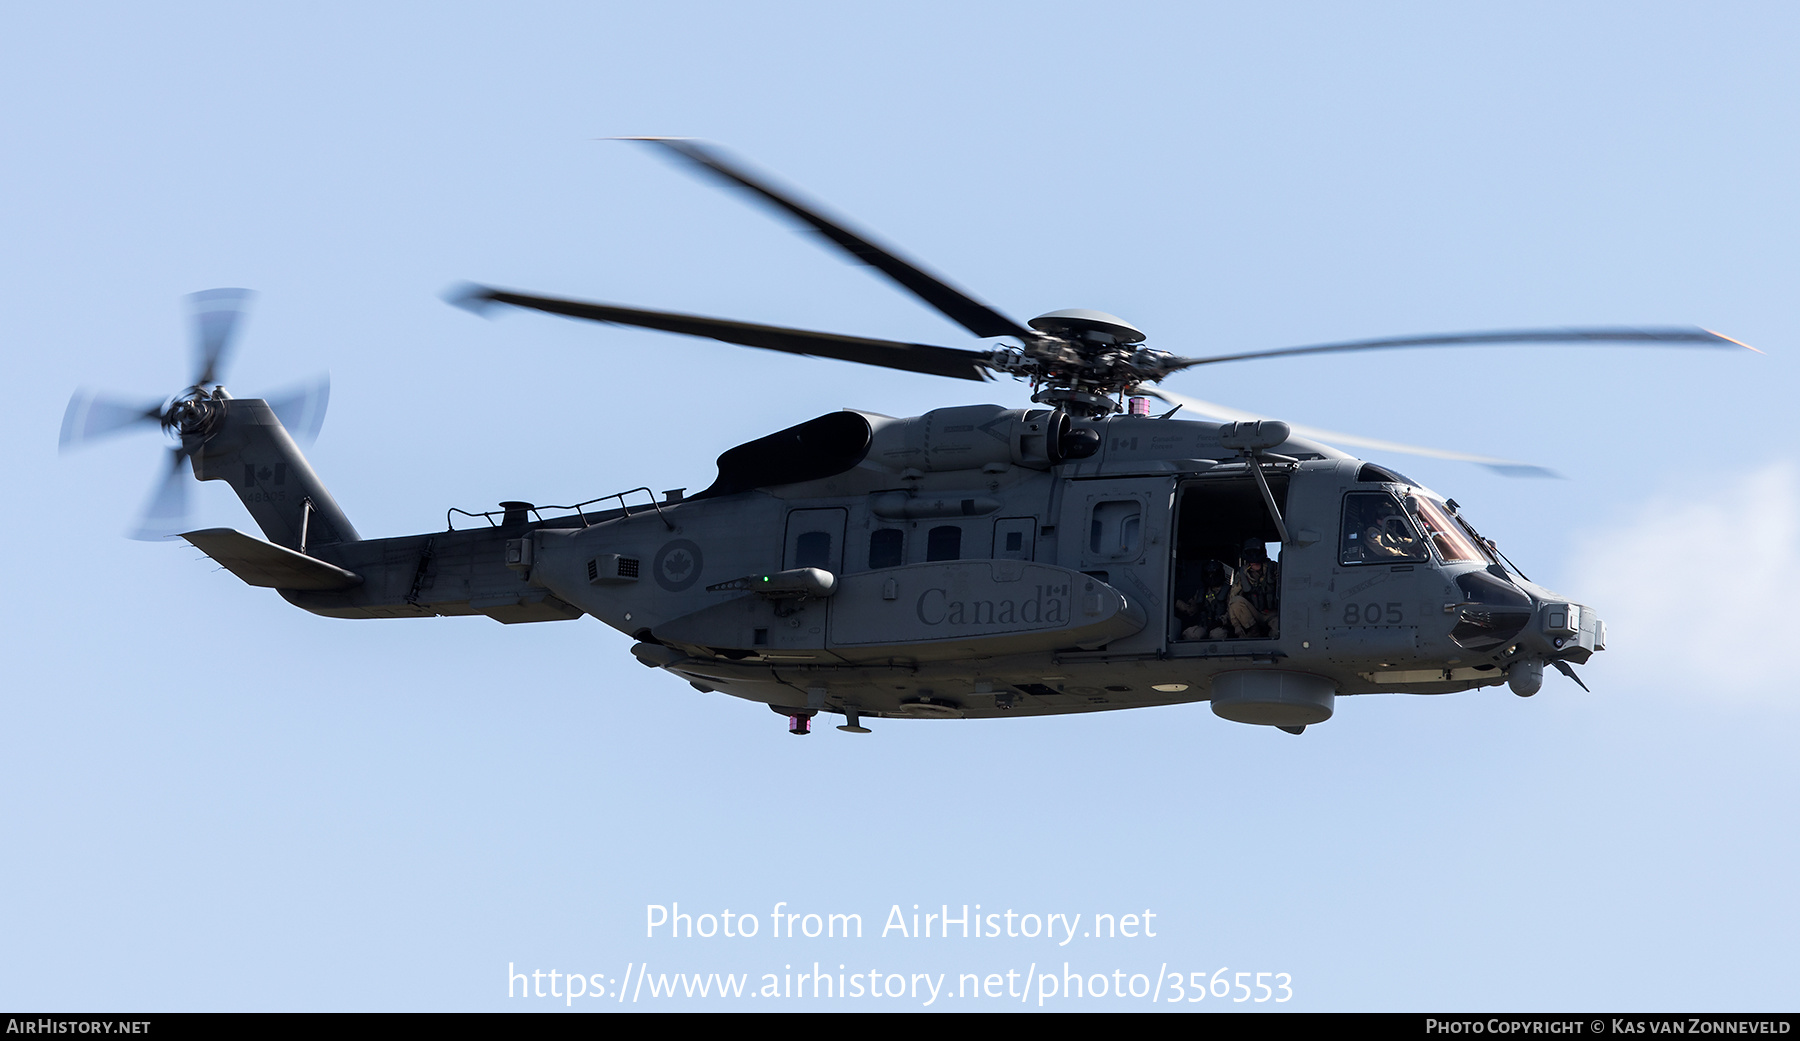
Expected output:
(251, 451)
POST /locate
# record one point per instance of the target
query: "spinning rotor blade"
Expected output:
(1505, 467)
(956, 305)
(166, 513)
(1671, 336)
(302, 409)
(217, 314)
(91, 417)
(892, 354)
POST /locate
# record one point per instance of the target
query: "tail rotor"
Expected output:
(191, 416)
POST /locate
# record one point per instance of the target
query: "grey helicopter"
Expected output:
(978, 561)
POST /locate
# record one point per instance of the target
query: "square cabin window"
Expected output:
(1117, 527)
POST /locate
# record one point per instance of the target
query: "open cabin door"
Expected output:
(1216, 518)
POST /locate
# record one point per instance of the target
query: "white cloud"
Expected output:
(1698, 591)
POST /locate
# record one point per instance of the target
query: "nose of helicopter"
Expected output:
(1573, 631)
(1528, 626)
(1561, 634)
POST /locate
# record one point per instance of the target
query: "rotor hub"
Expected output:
(1096, 327)
(195, 413)
(1084, 361)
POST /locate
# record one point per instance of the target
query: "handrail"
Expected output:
(579, 508)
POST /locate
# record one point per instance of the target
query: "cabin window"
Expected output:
(944, 543)
(887, 548)
(1013, 538)
(815, 538)
(813, 549)
(1117, 528)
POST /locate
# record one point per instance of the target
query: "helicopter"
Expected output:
(978, 561)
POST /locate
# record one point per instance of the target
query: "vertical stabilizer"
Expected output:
(251, 451)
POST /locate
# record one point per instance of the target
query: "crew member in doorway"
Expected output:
(1204, 615)
(1255, 605)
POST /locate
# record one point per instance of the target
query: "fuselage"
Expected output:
(951, 565)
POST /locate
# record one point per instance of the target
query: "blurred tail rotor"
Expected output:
(217, 315)
(302, 408)
(167, 511)
(192, 416)
(91, 417)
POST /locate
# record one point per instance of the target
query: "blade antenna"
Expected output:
(1569, 670)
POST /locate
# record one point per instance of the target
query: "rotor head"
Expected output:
(1079, 323)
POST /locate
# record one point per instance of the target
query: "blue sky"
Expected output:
(215, 801)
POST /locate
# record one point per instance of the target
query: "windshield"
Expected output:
(1487, 548)
(1446, 534)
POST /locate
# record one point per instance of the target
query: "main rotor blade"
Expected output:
(217, 314)
(1505, 467)
(955, 304)
(302, 409)
(166, 513)
(91, 417)
(1670, 336)
(892, 354)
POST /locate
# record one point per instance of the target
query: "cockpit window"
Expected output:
(1489, 551)
(1452, 544)
(1377, 531)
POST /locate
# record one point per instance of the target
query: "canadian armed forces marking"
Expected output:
(678, 565)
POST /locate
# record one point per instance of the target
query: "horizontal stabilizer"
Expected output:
(265, 564)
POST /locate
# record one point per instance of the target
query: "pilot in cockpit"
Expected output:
(1376, 530)
(1391, 537)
